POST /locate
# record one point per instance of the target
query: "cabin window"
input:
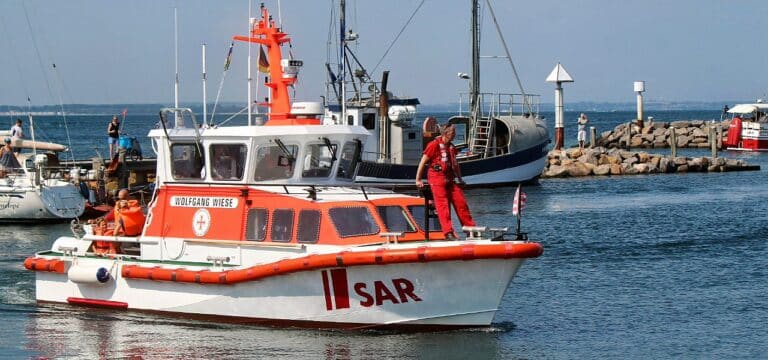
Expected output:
(272, 163)
(350, 153)
(256, 226)
(186, 162)
(395, 219)
(417, 212)
(309, 226)
(353, 221)
(282, 225)
(369, 121)
(318, 160)
(227, 161)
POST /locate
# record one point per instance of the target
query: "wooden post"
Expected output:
(592, 136)
(713, 140)
(720, 136)
(673, 142)
(629, 136)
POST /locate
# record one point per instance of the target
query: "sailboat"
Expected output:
(505, 139)
(35, 188)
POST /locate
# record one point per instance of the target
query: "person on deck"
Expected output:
(17, 132)
(444, 178)
(8, 159)
(113, 135)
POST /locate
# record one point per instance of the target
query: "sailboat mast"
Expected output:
(342, 58)
(474, 90)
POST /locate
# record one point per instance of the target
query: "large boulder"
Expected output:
(602, 170)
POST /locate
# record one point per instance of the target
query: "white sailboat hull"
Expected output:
(52, 201)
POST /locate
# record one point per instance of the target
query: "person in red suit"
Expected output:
(444, 177)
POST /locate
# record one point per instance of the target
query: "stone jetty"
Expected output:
(600, 161)
(687, 134)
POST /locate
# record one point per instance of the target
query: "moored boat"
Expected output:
(264, 224)
(748, 130)
(506, 140)
(35, 188)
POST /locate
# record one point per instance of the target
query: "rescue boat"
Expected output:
(748, 130)
(265, 225)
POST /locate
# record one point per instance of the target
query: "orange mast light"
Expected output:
(264, 32)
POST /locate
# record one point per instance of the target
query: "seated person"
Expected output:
(8, 159)
(224, 165)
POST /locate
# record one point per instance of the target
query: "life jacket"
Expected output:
(445, 163)
(131, 217)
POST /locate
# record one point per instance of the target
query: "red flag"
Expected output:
(519, 202)
(125, 111)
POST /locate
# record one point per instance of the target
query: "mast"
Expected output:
(343, 59)
(474, 89)
(282, 72)
(205, 91)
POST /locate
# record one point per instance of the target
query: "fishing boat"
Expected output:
(505, 141)
(748, 130)
(264, 225)
(37, 188)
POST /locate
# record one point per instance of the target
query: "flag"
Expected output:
(519, 202)
(229, 56)
(263, 62)
(125, 111)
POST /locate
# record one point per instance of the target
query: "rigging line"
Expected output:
(398, 36)
(16, 62)
(64, 116)
(509, 57)
(227, 63)
(37, 51)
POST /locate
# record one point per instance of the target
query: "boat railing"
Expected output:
(354, 92)
(501, 104)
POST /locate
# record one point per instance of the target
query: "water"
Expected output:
(653, 266)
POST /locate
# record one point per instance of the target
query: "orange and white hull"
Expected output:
(402, 285)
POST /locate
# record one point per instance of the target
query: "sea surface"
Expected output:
(638, 267)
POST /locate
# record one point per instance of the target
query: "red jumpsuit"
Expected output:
(442, 162)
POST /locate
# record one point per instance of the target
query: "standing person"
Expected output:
(582, 135)
(444, 178)
(113, 134)
(17, 131)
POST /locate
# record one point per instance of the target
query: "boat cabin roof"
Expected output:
(322, 155)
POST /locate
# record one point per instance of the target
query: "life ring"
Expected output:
(429, 127)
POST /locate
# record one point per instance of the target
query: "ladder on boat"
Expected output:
(483, 141)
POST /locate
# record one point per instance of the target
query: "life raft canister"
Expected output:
(734, 133)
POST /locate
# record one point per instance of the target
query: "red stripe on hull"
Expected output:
(97, 303)
(340, 288)
(327, 291)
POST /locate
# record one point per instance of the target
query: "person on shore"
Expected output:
(582, 127)
(444, 178)
(113, 134)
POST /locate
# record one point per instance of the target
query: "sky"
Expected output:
(122, 52)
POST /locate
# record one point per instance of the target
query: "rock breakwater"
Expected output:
(601, 161)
